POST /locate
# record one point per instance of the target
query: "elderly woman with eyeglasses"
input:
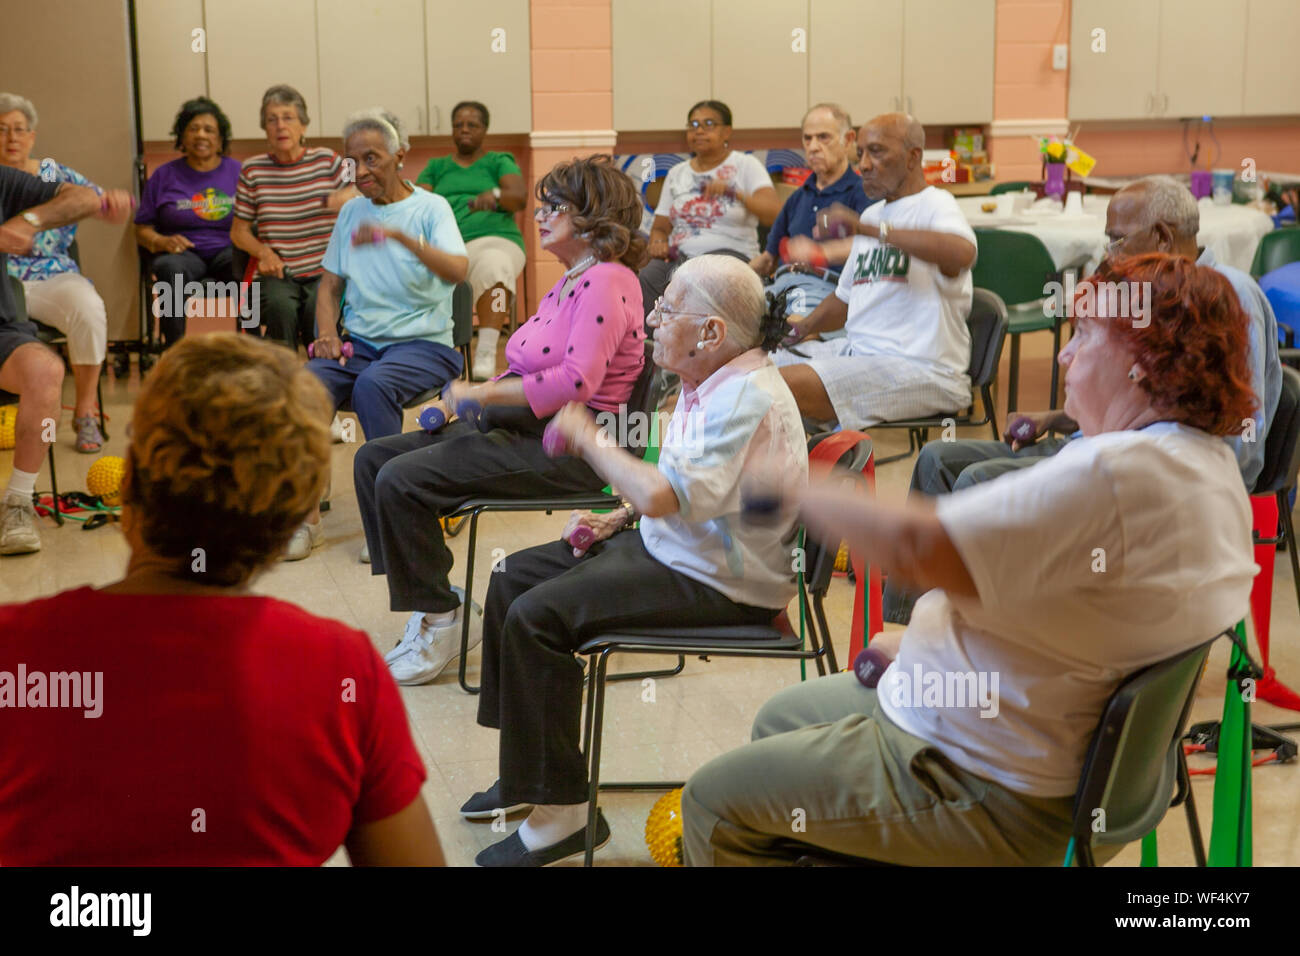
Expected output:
(713, 203)
(584, 345)
(56, 291)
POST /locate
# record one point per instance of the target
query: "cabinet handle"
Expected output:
(1164, 106)
(909, 104)
(1150, 102)
(897, 104)
(419, 119)
(435, 118)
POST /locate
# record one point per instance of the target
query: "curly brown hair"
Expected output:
(230, 451)
(606, 206)
(1194, 343)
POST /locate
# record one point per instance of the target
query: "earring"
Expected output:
(1132, 375)
(699, 344)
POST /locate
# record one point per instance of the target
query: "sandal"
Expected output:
(89, 438)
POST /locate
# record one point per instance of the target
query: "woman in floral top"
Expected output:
(56, 291)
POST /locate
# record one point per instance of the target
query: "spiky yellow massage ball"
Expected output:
(663, 829)
(8, 422)
(105, 479)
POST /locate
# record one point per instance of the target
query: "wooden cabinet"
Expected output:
(1113, 59)
(760, 61)
(171, 71)
(371, 54)
(253, 45)
(845, 66)
(1272, 72)
(478, 51)
(660, 69)
(948, 48)
(1202, 58)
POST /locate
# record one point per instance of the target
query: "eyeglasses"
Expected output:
(14, 130)
(1114, 244)
(546, 210)
(707, 124)
(659, 313)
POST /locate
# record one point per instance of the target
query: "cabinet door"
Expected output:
(478, 51)
(855, 55)
(1202, 57)
(1117, 81)
(170, 71)
(371, 54)
(253, 45)
(661, 62)
(760, 61)
(948, 48)
(1272, 58)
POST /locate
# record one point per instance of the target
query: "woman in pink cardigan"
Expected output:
(585, 344)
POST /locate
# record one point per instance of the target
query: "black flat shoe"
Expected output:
(512, 852)
(485, 804)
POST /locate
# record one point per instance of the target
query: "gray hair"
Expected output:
(727, 287)
(1169, 201)
(284, 95)
(12, 101)
(838, 113)
(381, 121)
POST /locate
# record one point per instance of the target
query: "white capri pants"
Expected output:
(493, 260)
(68, 301)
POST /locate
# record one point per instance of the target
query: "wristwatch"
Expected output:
(884, 228)
(496, 194)
(631, 513)
(34, 219)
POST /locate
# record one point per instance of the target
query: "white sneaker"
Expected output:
(307, 536)
(18, 534)
(485, 364)
(425, 652)
(336, 430)
(364, 556)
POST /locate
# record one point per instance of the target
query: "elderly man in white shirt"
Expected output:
(693, 562)
(1046, 589)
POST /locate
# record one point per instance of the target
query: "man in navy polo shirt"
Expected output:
(830, 144)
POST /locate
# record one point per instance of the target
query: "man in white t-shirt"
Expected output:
(903, 296)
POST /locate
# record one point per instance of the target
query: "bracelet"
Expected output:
(632, 516)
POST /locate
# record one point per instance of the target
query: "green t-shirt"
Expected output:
(459, 185)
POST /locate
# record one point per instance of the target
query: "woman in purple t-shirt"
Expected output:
(585, 344)
(186, 211)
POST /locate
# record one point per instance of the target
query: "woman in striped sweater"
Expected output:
(284, 214)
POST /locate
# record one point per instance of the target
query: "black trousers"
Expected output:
(191, 267)
(405, 482)
(541, 606)
(288, 309)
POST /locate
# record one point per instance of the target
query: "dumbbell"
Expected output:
(346, 349)
(582, 538)
(869, 665)
(758, 507)
(364, 235)
(818, 261)
(467, 409)
(1023, 430)
(553, 443)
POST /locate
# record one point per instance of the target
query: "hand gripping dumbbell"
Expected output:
(346, 349)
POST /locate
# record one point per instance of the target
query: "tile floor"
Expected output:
(702, 713)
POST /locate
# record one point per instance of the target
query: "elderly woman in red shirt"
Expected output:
(585, 344)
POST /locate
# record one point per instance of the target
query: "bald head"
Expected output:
(892, 144)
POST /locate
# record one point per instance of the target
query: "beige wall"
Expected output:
(72, 59)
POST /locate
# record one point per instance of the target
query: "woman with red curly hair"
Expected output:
(1045, 589)
(174, 718)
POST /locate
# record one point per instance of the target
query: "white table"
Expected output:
(1079, 241)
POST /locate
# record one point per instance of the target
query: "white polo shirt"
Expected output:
(742, 410)
(1120, 551)
(900, 305)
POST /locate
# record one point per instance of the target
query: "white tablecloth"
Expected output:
(1079, 241)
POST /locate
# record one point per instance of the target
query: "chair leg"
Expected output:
(825, 630)
(54, 488)
(1189, 805)
(1013, 374)
(642, 675)
(1056, 367)
(991, 411)
(468, 605)
(1284, 509)
(99, 401)
(597, 689)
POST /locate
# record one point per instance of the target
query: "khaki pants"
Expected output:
(828, 770)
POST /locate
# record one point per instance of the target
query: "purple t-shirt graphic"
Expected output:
(180, 200)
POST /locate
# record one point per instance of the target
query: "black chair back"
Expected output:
(1132, 764)
(1282, 443)
(988, 331)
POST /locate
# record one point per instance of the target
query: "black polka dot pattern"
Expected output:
(546, 350)
(578, 384)
(600, 319)
(540, 377)
(585, 284)
(570, 348)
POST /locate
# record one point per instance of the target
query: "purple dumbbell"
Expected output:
(553, 443)
(760, 507)
(432, 419)
(467, 409)
(346, 350)
(367, 234)
(1023, 430)
(869, 665)
(582, 538)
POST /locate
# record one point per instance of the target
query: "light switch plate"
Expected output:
(1060, 56)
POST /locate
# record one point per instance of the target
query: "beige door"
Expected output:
(855, 55)
(1272, 80)
(948, 48)
(171, 70)
(1113, 49)
(662, 61)
(1203, 57)
(478, 51)
(760, 61)
(253, 45)
(371, 54)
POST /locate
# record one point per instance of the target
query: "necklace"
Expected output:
(580, 265)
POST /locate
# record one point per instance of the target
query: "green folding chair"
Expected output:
(1276, 249)
(1015, 186)
(1018, 267)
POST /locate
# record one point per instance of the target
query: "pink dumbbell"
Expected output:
(367, 235)
(347, 350)
(553, 443)
(1023, 430)
(582, 538)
